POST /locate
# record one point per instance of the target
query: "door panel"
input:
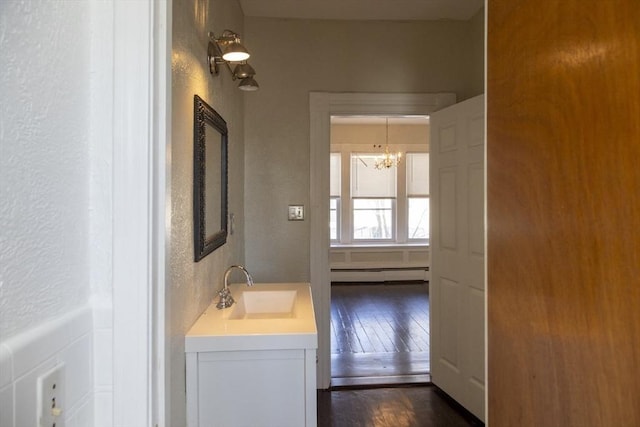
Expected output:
(447, 208)
(475, 184)
(457, 252)
(563, 198)
(449, 302)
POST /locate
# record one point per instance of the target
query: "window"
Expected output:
(373, 219)
(334, 217)
(418, 221)
(417, 196)
(373, 194)
(370, 206)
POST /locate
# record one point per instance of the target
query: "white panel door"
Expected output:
(457, 253)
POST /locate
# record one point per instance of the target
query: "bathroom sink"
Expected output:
(265, 316)
(265, 304)
(235, 355)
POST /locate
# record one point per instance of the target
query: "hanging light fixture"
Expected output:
(228, 49)
(388, 159)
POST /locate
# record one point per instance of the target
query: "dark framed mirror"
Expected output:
(210, 140)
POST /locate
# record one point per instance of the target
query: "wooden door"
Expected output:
(563, 198)
(457, 253)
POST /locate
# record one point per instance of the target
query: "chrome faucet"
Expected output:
(226, 300)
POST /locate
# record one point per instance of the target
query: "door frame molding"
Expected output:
(141, 100)
(322, 105)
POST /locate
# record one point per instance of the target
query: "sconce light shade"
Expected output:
(244, 70)
(235, 52)
(248, 84)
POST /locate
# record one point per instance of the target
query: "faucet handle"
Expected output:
(226, 300)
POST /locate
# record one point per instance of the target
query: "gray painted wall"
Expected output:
(192, 285)
(295, 57)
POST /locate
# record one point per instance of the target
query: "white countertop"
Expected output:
(214, 331)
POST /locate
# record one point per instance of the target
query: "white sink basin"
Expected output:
(271, 304)
(266, 316)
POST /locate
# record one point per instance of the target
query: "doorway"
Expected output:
(322, 106)
(379, 235)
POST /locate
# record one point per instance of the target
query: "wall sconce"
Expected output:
(228, 49)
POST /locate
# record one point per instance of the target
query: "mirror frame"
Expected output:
(204, 115)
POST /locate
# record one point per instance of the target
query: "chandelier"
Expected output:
(388, 159)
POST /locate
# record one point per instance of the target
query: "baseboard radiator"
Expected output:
(379, 263)
(379, 274)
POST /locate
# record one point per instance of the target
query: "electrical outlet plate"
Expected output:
(51, 391)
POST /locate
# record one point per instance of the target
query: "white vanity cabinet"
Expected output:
(253, 372)
(270, 388)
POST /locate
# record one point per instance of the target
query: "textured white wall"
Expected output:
(193, 285)
(44, 161)
(295, 57)
(46, 141)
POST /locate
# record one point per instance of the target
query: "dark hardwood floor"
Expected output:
(408, 406)
(380, 333)
(380, 337)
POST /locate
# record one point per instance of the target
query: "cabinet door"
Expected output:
(251, 388)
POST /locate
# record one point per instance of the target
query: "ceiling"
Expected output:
(402, 10)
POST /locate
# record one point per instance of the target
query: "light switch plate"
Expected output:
(296, 212)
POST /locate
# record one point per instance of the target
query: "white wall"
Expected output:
(295, 57)
(192, 285)
(44, 218)
(45, 223)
